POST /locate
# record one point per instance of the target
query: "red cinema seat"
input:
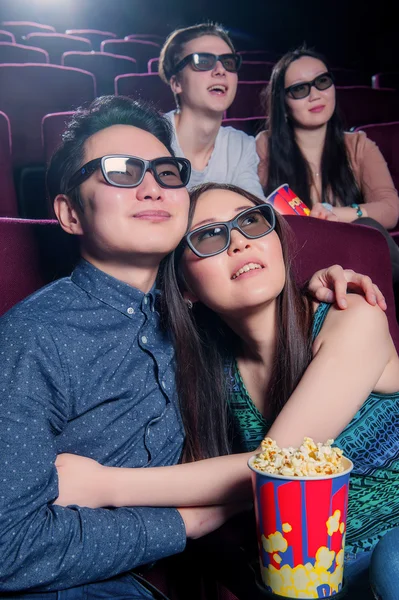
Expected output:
(19, 53)
(147, 37)
(255, 55)
(390, 79)
(247, 102)
(104, 66)
(140, 50)
(350, 77)
(361, 105)
(95, 36)
(319, 244)
(153, 65)
(147, 86)
(28, 92)
(255, 70)
(6, 36)
(58, 43)
(8, 199)
(53, 126)
(21, 28)
(32, 253)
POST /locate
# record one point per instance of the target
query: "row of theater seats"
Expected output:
(41, 43)
(30, 91)
(56, 48)
(36, 252)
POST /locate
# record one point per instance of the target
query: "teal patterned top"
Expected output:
(370, 440)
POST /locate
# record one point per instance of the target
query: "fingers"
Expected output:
(320, 212)
(362, 284)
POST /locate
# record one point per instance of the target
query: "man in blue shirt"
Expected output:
(85, 366)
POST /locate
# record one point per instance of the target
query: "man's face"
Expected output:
(137, 224)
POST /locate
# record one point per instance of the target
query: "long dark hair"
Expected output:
(205, 345)
(286, 163)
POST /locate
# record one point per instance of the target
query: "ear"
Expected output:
(187, 295)
(67, 215)
(175, 85)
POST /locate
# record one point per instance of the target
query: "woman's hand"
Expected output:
(321, 212)
(82, 481)
(333, 283)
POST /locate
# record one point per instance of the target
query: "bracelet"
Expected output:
(328, 206)
(358, 210)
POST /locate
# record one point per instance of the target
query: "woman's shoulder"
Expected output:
(357, 143)
(360, 322)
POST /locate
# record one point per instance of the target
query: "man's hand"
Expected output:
(201, 520)
(320, 212)
(333, 283)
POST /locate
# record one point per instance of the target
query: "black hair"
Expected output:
(286, 163)
(205, 345)
(103, 112)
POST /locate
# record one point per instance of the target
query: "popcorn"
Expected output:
(309, 460)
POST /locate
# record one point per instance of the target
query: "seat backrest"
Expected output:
(8, 198)
(7, 36)
(32, 253)
(389, 79)
(58, 43)
(147, 86)
(256, 70)
(247, 102)
(255, 55)
(361, 105)
(318, 244)
(148, 37)
(350, 77)
(19, 53)
(28, 92)
(52, 127)
(153, 65)
(141, 50)
(95, 36)
(386, 136)
(21, 28)
(104, 66)
(250, 125)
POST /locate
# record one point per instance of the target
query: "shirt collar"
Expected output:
(117, 294)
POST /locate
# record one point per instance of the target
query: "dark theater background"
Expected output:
(351, 33)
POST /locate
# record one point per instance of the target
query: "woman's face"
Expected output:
(212, 90)
(316, 109)
(223, 282)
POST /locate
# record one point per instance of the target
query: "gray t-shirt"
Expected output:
(234, 160)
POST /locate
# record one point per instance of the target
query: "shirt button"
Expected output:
(130, 311)
(145, 299)
(144, 339)
(163, 384)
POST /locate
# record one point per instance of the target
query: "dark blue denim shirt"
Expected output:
(84, 368)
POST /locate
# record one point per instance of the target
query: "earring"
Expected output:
(189, 304)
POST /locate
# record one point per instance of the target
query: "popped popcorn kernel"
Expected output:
(309, 460)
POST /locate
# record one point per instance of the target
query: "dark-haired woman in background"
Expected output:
(340, 176)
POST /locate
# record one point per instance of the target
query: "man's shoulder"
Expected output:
(41, 306)
(236, 140)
